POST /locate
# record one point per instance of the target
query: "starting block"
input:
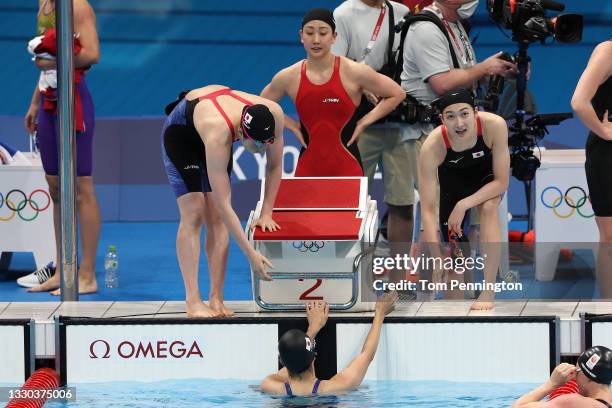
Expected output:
(326, 223)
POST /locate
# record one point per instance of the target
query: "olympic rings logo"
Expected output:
(575, 204)
(22, 205)
(306, 246)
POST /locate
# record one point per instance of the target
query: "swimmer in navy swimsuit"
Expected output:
(197, 139)
(468, 157)
(297, 352)
(593, 375)
(326, 89)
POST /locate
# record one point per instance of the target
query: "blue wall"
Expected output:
(151, 49)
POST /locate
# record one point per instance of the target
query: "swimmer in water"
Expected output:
(593, 374)
(297, 352)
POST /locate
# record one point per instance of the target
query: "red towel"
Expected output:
(49, 45)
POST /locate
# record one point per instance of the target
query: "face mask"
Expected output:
(253, 146)
(467, 10)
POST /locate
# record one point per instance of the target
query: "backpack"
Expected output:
(408, 20)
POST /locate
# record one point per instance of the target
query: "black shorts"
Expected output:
(185, 155)
(598, 167)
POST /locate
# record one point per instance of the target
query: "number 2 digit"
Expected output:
(304, 296)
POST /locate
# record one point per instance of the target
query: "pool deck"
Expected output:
(44, 313)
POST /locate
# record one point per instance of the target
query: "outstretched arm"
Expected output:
(317, 312)
(217, 156)
(353, 375)
(274, 167)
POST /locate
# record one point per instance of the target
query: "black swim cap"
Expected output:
(320, 14)
(596, 364)
(459, 95)
(257, 123)
(296, 350)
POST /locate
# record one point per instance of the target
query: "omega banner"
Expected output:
(14, 351)
(146, 351)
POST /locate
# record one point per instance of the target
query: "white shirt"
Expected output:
(355, 22)
(427, 53)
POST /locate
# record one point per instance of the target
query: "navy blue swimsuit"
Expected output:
(315, 388)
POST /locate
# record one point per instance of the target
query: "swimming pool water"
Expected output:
(238, 393)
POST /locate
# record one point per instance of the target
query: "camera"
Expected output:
(527, 19)
(522, 160)
(411, 111)
(496, 87)
(524, 164)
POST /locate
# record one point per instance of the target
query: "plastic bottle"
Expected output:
(111, 263)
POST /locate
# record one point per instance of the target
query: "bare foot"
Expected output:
(85, 287)
(51, 284)
(484, 302)
(200, 309)
(478, 305)
(218, 306)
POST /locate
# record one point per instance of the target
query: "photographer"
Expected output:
(435, 62)
(364, 35)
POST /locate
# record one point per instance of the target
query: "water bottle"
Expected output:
(111, 262)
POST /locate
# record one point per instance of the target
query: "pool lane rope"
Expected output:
(44, 378)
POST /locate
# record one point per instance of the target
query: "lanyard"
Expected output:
(381, 17)
(461, 46)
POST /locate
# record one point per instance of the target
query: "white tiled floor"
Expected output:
(445, 308)
(3, 305)
(83, 309)
(172, 309)
(561, 309)
(502, 308)
(593, 307)
(34, 310)
(129, 309)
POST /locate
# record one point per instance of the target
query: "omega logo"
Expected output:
(159, 349)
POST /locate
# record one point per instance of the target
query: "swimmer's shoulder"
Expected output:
(288, 75)
(574, 400)
(204, 90)
(327, 387)
(494, 127)
(434, 149)
(334, 386)
(273, 386)
(491, 121)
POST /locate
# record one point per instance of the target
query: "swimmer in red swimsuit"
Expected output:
(326, 89)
